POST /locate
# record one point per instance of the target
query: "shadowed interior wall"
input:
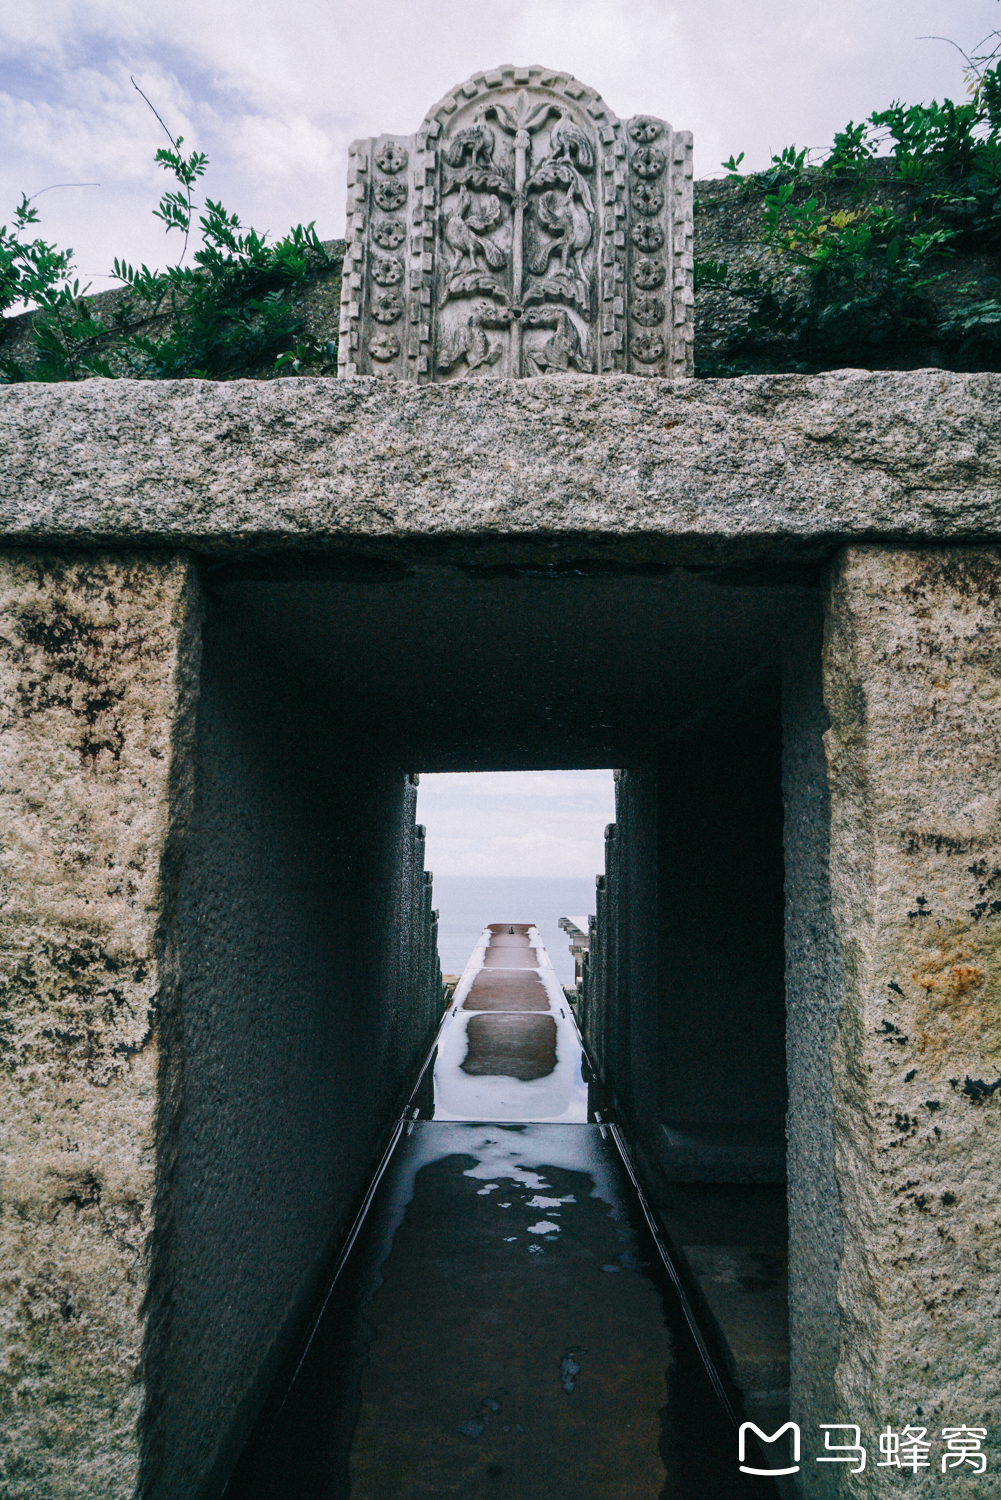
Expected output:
(685, 999)
(721, 979)
(814, 997)
(713, 916)
(309, 989)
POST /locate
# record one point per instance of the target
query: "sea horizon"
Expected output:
(466, 903)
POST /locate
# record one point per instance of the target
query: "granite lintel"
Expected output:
(695, 472)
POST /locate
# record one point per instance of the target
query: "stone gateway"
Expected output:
(236, 620)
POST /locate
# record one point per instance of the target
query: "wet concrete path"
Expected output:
(504, 1326)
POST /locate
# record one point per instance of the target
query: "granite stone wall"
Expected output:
(99, 664)
(912, 683)
(218, 973)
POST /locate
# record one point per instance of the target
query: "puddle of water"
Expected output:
(510, 1046)
(541, 1379)
(477, 1351)
(501, 990)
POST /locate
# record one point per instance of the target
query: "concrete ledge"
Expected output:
(747, 1293)
(722, 1154)
(707, 472)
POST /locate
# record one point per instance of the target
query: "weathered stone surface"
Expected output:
(98, 666)
(700, 471)
(523, 230)
(813, 981)
(913, 687)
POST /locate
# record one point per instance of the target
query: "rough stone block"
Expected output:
(98, 675)
(707, 471)
(913, 687)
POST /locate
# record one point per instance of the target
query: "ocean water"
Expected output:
(465, 904)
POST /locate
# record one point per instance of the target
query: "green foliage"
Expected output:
(711, 273)
(859, 245)
(228, 314)
(975, 330)
(785, 167)
(175, 208)
(31, 270)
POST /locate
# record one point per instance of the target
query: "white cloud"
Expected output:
(510, 823)
(275, 94)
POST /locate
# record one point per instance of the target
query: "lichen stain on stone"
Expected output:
(97, 654)
(81, 1019)
(968, 574)
(957, 984)
(74, 661)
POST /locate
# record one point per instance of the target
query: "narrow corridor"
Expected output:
(504, 1325)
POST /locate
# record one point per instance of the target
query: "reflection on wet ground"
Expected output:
(503, 1326)
(494, 1062)
(506, 992)
(510, 1046)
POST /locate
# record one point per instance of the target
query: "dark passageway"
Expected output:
(312, 992)
(504, 1326)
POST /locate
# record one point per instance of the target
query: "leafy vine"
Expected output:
(860, 244)
(230, 313)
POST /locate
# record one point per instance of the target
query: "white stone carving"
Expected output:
(522, 230)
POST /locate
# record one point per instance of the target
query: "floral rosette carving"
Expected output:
(388, 308)
(646, 199)
(648, 273)
(391, 157)
(647, 347)
(389, 234)
(391, 195)
(648, 310)
(384, 346)
(387, 271)
(647, 237)
(644, 130)
(649, 162)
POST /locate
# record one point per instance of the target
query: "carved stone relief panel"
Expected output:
(523, 230)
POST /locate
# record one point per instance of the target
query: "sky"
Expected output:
(545, 824)
(274, 93)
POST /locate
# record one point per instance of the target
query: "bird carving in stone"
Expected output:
(563, 350)
(468, 341)
(463, 228)
(573, 227)
(569, 143)
(475, 144)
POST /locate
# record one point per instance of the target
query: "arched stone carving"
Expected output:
(532, 232)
